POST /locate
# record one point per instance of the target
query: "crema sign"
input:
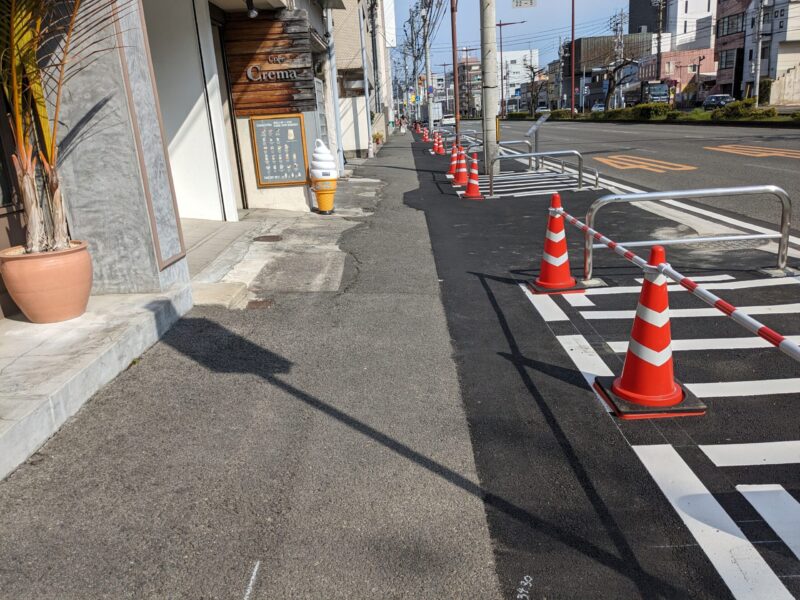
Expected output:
(256, 73)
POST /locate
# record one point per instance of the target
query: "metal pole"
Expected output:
(489, 81)
(334, 77)
(375, 66)
(370, 147)
(659, 4)
(756, 83)
(502, 75)
(572, 58)
(428, 77)
(454, 39)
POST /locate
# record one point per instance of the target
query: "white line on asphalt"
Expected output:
(586, 360)
(762, 166)
(737, 343)
(737, 561)
(728, 285)
(700, 278)
(579, 300)
(775, 309)
(546, 306)
(760, 453)
(252, 581)
(734, 389)
(779, 509)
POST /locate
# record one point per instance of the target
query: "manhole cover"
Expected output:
(268, 238)
(259, 304)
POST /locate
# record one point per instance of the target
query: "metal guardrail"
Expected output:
(772, 190)
(510, 143)
(535, 155)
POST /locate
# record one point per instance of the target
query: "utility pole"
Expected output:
(489, 83)
(618, 22)
(334, 78)
(370, 147)
(560, 72)
(426, 40)
(503, 69)
(572, 59)
(468, 82)
(659, 6)
(759, 28)
(454, 41)
(373, 4)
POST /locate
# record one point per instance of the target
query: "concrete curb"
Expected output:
(29, 420)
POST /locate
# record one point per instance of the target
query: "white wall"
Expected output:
(173, 39)
(354, 124)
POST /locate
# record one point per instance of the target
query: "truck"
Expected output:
(654, 91)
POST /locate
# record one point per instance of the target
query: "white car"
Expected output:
(599, 106)
(449, 120)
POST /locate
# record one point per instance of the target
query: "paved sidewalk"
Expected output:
(315, 445)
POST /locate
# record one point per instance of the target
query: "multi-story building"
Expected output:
(729, 46)
(686, 71)
(690, 23)
(643, 16)
(516, 70)
(780, 41)
(469, 86)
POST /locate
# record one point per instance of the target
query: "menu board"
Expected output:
(279, 149)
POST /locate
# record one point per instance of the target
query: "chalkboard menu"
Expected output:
(279, 148)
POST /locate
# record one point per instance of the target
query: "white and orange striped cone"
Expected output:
(473, 186)
(425, 137)
(647, 388)
(441, 151)
(436, 141)
(461, 177)
(453, 162)
(554, 274)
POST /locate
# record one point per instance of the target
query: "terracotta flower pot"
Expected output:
(48, 286)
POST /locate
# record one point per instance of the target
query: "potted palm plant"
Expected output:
(43, 44)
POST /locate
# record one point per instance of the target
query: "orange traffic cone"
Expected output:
(425, 137)
(436, 141)
(453, 162)
(554, 274)
(441, 150)
(461, 177)
(473, 187)
(647, 387)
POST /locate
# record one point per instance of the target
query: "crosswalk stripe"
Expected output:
(743, 343)
(741, 567)
(779, 509)
(759, 453)
(586, 360)
(727, 285)
(545, 305)
(734, 389)
(775, 309)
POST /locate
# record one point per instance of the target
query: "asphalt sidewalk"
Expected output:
(312, 446)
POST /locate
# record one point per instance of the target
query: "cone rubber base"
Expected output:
(690, 406)
(578, 288)
(325, 212)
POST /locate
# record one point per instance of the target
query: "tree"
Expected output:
(536, 85)
(617, 75)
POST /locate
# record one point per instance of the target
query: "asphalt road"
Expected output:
(582, 504)
(694, 157)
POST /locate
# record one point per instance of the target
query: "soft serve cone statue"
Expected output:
(323, 177)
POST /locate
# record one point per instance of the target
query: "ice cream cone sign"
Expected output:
(324, 176)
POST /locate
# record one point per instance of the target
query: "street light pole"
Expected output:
(502, 68)
(454, 40)
(757, 82)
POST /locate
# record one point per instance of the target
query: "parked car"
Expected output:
(717, 101)
(542, 108)
(599, 106)
(449, 120)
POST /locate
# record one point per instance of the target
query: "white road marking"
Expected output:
(545, 305)
(579, 300)
(586, 360)
(761, 453)
(737, 343)
(252, 581)
(761, 166)
(779, 509)
(757, 387)
(737, 561)
(728, 285)
(775, 309)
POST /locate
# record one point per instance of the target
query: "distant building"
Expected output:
(732, 19)
(643, 16)
(469, 86)
(516, 71)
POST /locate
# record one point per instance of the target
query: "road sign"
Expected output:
(523, 3)
(430, 89)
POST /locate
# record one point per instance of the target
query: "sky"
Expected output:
(544, 24)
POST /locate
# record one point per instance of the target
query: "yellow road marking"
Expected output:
(625, 162)
(756, 151)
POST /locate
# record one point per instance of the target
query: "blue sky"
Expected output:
(543, 26)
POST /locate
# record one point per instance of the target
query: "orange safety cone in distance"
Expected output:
(647, 387)
(436, 141)
(554, 273)
(441, 151)
(461, 177)
(425, 137)
(453, 161)
(473, 186)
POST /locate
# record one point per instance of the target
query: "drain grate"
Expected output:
(268, 238)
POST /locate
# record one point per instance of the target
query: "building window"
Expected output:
(686, 7)
(727, 59)
(730, 25)
(685, 26)
(780, 25)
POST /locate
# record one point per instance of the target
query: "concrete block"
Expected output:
(225, 294)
